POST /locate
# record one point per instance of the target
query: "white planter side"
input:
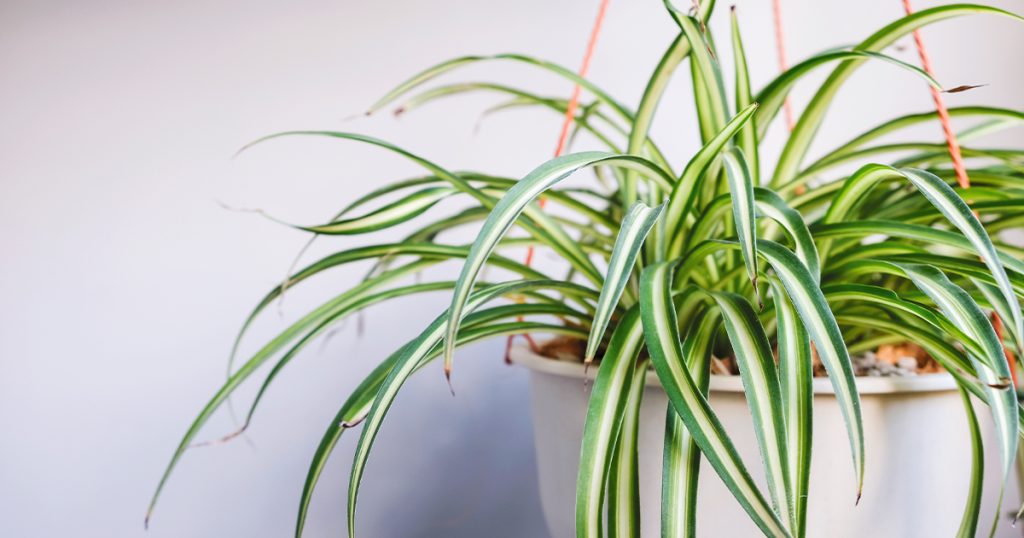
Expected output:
(916, 441)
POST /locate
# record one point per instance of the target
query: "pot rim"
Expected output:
(940, 382)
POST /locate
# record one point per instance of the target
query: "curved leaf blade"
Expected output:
(605, 411)
(951, 205)
(972, 506)
(623, 471)
(774, 94)
(681, 458)
(764, 395)
(391, 214)
(821, 324)
(772, 206)
(991, 367)
(747, 139)
(741, 190)
(408, 362)
(635, 226)
(795, 376)
(684, 192)
(508, 209)
(660, 329)
(803, 133)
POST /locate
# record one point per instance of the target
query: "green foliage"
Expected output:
(664, 265)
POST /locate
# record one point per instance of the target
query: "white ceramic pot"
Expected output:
(917, 456)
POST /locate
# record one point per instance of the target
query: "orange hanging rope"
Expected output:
(940, 107)
(958, 161)
(780, 53)
(997, 324)
(563, 135)
(574, 101)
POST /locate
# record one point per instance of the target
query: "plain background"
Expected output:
(123, 279)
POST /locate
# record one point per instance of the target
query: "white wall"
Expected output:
(123, 281)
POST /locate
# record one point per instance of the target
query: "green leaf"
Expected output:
(605, 411)
(684, 192)
(394, 213)
(806, 127)
(764, 395)
(408, 363)
(352, 412)
(998, 304)
(972, 507)
(635, 226)
(922, 154)
(741, 190)
(661, 333)
(991, 368)
(656, 84)
(951, 358)
(817, 318)
(426, 250)
(902, 122)
(772, 206)
(956, 266)
(706, 64)
(537, 224)
(623, 472)
(508, 210)
(943, 198)
(768, 205)
(550, 309)
(521, 98)
(747, 139)
(343, 303)
(890, 302)
(681, 458)
(773, 96)
(795, 375)
(358, 404)
(435, 71)
(925, 234)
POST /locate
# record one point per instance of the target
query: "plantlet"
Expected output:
(670, 260)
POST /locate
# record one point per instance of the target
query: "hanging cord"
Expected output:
(780, 53)
(563, 136)
(957, 158)
(940, 107)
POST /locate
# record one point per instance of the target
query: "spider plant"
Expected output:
(670, 259)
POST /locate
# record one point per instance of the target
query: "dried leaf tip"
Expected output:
(963, 88)
(448, 379)
(345, 424)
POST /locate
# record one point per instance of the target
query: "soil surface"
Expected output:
(891, 360)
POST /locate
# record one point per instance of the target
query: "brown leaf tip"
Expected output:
(448, 378)
(963, 88)
(346, 424)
